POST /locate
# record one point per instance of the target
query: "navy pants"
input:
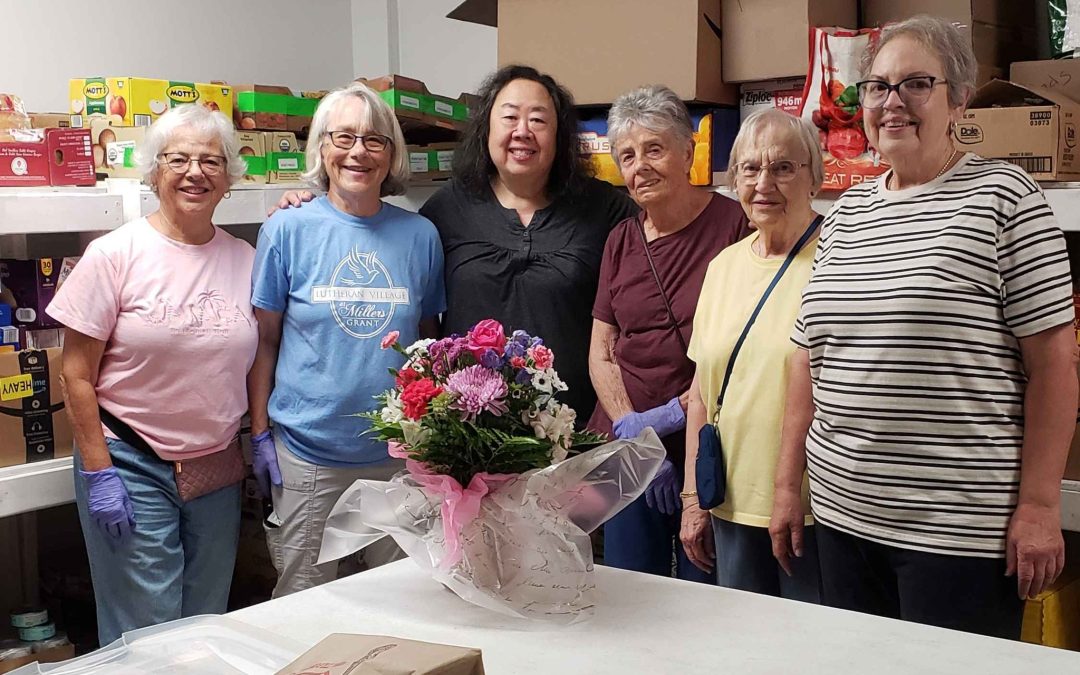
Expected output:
(642, 539)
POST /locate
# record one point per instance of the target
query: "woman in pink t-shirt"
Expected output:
(160, 337)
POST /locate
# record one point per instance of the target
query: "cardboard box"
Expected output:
(51, 655)
(715, 133)
(50, 120)
(768, 39)
(273, 108)
(114, 148)
(32, 285)
(24, 163)
(284, 161)
(47, 157)
(411, 101)
(786, 95)
(33, 424)
(1036, 131)
(1061, 75)
(602, 48)
(341, 653)
(71, 158)
(138, 101)
(431, 162)
(253, 150)
(1052, 619)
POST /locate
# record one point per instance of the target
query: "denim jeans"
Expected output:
(641, 539)
(744, 561)
(294, 531)
(180, 557)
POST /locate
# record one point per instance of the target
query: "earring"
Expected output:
(228, 193)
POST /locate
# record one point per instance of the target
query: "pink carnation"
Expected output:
(518, 362)
(390, 339)
(542, 357)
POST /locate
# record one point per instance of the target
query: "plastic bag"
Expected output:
(1064, 27)
(527, 551)
(831, 103)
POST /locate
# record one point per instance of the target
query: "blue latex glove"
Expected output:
(665, 420)
(264, 462)
(663, 492)
(109, 504)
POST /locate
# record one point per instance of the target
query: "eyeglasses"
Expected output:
(346, 140)
(912, 91)
(782, 170)
(211, 165)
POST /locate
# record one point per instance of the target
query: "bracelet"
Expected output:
(687, 495)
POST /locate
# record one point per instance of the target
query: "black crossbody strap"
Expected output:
(124, 432)
(761, 303)
(656, 277)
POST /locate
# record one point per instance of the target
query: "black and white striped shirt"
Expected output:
(912, 318)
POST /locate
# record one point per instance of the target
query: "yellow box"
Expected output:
(1052, 619)
(138, 101)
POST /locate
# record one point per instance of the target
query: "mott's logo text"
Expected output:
(182, 93)
(969, 134)
(16, 387)
(95, 90)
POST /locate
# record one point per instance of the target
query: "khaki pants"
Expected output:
(302, 504)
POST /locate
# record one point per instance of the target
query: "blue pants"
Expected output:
(642, 539)
(179, 559)
(744, 561)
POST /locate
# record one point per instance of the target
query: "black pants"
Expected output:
(958, 592)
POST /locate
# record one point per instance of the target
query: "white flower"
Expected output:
(392, 412)
(554, 423)
(420, 346)
(415, 434)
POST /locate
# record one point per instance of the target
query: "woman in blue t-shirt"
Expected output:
(329, 282)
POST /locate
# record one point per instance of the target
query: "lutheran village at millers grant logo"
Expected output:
(361, 294)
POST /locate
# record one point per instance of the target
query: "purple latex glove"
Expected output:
(264, 462)
(665, 420)
(109, 504)
(663, 492)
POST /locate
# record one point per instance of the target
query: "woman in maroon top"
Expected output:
(650, 277)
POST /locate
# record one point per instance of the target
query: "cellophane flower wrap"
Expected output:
(500, 492)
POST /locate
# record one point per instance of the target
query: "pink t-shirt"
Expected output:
(179, 330)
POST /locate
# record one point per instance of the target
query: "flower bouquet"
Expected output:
(500, 492)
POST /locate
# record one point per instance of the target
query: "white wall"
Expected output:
(303, 45)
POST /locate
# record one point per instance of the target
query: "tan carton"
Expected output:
(33, 424)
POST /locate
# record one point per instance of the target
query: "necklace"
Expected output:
(946, 165)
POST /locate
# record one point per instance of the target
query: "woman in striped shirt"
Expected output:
(934, 395)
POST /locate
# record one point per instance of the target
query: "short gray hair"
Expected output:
(655, 108)
(773, 117)
(200, 119)
(946, 41)
(378, 117)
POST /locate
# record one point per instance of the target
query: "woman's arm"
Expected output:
(78, 377)
(1035, 549)
(604, 372)
(786, 524)
(696, 530)
(260, 379)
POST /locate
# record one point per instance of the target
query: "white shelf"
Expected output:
(247, 204)
(51, 210)
(40, 485)
(1070, 505)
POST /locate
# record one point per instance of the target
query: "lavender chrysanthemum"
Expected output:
(477, 390)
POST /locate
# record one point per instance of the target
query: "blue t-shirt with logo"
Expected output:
(342, 283)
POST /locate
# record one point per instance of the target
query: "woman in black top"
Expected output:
(523, 225)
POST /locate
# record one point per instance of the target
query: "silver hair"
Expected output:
(377, 118)
(655, 108)
(772, 117)
(199, 119)
(946, 41)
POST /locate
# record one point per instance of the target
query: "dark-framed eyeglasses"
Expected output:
(347, 139)
(912, 91)
(782, 170)
(211, 165)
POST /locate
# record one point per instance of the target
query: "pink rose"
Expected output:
(488, 334)
(390, 339)
(542, 357)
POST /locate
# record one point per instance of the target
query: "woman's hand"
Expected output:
(292, 198)
(696, 535)
(786, 527)
(1034, 548)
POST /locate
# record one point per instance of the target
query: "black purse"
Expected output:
(709, 469)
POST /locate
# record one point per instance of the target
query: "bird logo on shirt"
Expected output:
(362, 268)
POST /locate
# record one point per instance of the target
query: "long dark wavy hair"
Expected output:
(473, 167)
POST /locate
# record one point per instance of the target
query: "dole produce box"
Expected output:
(138, 101)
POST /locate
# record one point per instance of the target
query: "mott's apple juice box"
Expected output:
(138, 101)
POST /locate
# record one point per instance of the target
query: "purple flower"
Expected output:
(439, 348)
(491, 359)
(523, 377)
(514, 349)
(477, 390)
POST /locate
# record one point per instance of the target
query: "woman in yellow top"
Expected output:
(776, 169)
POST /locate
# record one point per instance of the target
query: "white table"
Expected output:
(646, 624)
